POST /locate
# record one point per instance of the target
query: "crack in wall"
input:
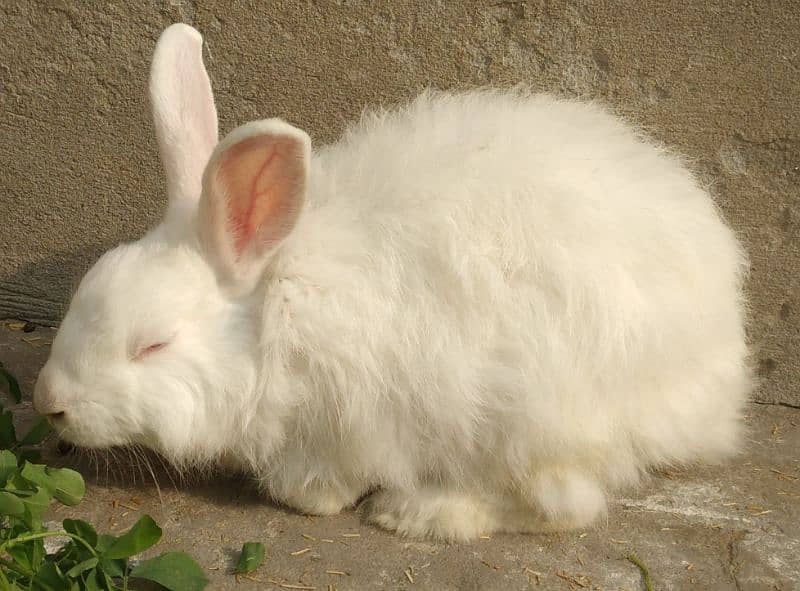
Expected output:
(783, 404)
(734, 565)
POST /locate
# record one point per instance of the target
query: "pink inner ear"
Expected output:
(261, 176)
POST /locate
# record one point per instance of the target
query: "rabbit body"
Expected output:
(496, 303)
(486, 310)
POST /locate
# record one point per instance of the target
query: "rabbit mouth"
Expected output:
(80, 438)
(88, 429)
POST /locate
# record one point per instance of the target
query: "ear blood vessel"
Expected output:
(489, 308)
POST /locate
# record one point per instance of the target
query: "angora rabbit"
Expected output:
(486, 309)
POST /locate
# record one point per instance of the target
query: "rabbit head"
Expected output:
(160, 345)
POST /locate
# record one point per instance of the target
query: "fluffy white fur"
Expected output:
(493, 309)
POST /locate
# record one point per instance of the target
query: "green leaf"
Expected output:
(37, 433)
(83, 530)
(251, 558)
(104, 542)
(24, 492)
(70, 487)
(114, 568)
(81, 567)
(8, 435)
(50, 577)
(37, 474)
(64, 484)
(35, 506)
(8, 464)
(22, 554)
(90, 581)
(141, 536)
(174, 570)
(10, 384)
(11, 504)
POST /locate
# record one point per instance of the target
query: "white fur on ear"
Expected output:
(253, 191)
(184, 114)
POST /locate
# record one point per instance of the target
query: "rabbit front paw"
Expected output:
(431, 513)
(314, 499)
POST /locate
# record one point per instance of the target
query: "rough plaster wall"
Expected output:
(79, 171)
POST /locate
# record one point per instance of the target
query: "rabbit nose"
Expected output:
(46, 402)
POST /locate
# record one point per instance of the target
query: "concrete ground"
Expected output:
(731, 527)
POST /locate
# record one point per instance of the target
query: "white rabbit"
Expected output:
(486, 309)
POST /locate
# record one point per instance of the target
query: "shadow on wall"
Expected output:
(23, 295)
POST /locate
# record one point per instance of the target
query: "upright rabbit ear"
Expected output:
(183, 111)
(253, 191)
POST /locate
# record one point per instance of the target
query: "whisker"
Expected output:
(133, 464)
(108, 467)
(134, 457)
(146, 461)
(125, 467)
(137, 458)
(94, 455)
(87, 457)
(114, 472)
(123, 479)
(169, 470)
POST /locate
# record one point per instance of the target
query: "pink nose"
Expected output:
(45, 400)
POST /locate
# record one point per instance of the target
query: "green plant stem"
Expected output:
(48, 534)
(648, 582)
(4, 580)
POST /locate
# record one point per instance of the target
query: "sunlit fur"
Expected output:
(494, 309)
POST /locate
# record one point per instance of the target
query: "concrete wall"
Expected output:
(79, 172)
